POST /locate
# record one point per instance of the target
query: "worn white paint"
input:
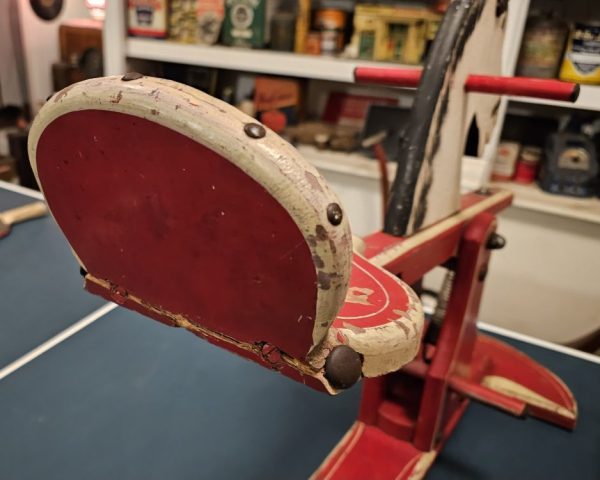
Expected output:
(271, 161)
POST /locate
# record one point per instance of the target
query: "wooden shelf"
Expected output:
(354, 164)
(247, 60)
(359, 165)
(589, 99)
(531, 197)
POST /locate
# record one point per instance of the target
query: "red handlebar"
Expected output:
(516, 86)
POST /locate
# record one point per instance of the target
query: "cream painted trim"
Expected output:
(516, 390)
(389, 255)
(271, 161)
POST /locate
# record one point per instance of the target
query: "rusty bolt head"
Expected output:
(131, 76)
(271, 353)
(334, 214)
(254, 130)
(343, 367)
(495, 242)
(118, 295)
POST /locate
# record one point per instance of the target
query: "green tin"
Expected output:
(244, 24)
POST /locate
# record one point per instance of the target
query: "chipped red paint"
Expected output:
(373, 300)
(153, 211)
(408, 415)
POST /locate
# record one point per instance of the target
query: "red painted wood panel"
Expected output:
(177, 225)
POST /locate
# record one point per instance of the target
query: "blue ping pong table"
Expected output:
(91, 391)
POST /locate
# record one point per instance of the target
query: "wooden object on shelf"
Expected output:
(78, 36)
(80, 43)
(397, 34)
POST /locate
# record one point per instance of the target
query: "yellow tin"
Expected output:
(582, 57)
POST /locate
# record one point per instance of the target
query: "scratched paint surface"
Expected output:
(172, 222)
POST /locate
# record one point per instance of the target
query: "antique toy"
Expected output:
(186, 210)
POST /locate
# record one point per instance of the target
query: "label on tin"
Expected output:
(585, 48)
(582, 59)
(148, 18)
(244, 23)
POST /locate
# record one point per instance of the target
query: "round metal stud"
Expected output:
(495, 242)
(343, 367)
(131, 76)
(254, 130)
(334, 214)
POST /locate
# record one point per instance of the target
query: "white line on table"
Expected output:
(22, 190)
(539, 342)
(532, 340)
(56, 339)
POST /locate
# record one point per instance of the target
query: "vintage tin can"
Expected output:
(542, 47)
(528, 164)
(283, 27)
(147, 18)
(195, 21)
(244, 24)
(582, 57)
(331, 24)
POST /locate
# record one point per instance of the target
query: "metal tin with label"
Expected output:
(582, 57)
(148, 18)
(244, 24)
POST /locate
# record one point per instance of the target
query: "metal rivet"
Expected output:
(271, 354)
(343, 367)
(254, 130)
(334, 214)
(131, 76)
(495, 242)
(118, 295)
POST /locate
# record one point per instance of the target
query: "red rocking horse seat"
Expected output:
(181, 207)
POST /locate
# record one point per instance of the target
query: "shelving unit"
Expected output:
(243, 59)
(531, 197)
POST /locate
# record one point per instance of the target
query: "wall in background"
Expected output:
(9, 77)
(40, 44)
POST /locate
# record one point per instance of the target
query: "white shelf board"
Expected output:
(589, 99)
(531, 197)
(359, 165)
(247, 60)
(354, 164)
